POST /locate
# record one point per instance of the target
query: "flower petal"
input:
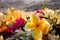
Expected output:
(29, 25)
(44, 27)
(37, 34)
(38, 38)
(34, 19)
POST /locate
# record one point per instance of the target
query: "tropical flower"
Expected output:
(12, 14)
(37, 26)
(19, 23)
(48, 12)
(52, 14)
(56, 16)
(3, 28)
(39, 11)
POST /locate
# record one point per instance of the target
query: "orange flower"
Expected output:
(3, 28)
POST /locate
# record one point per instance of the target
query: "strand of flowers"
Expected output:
(15, 19)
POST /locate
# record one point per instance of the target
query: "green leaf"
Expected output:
(53, 32)
(24, 35)
(54, 20)
(49, 16)
(5, 13)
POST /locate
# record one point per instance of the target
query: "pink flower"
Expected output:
(39, 11)
(19, 23)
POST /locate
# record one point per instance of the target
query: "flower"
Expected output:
(37, 26)
(52, 14)
(13, 14)
(39, 11)
(19, 23)
(48, 12)
(3, 28)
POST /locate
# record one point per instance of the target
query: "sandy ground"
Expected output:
(27, 4)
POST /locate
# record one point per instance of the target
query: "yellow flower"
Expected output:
(9, 18)
(37, 26)
(13, 14)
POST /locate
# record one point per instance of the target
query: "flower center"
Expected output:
(37, 25)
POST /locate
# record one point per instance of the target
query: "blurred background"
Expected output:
(29, 5)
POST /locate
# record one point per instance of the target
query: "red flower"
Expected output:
(19, 23)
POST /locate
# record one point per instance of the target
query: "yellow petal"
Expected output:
(29, 25)
(38, 38)
(37, 33)
(34, 19)
(44, 27)
(9, 18)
